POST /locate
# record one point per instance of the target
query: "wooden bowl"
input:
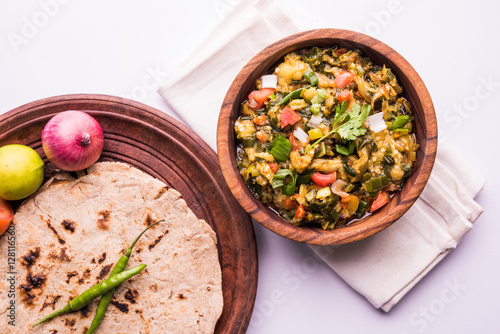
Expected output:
(425, 131)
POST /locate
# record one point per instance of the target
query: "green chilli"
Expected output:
(97, 290)
(119, 267)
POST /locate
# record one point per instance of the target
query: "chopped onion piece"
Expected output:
(315, 121)
(269, 81)
(337, 188)
(301, 135)
(377, 122)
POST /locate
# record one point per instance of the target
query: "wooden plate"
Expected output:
(162, 147)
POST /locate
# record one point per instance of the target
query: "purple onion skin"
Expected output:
(72, 140)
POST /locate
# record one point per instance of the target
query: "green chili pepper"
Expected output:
(120, 265)
(311, 77)
(248, 142)
(315, 108)
(345, 150)
(97, 290)
(349, 187)
(376, 183)
(400, 121)
(361, 209)
(293, 95)
(320, 96)
(366, 176)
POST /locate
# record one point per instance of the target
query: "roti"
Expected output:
(67, 237)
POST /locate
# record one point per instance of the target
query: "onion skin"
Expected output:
(72, 140)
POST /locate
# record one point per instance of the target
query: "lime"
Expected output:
(21, 172)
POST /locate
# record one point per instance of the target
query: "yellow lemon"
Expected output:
(21, 172)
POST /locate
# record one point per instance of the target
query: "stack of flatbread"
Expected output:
(71, 232)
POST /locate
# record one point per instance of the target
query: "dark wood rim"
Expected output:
(166, 149)
(425, 131)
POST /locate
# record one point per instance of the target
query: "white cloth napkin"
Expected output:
(384, 267)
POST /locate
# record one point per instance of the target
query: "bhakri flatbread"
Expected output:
(69, 235)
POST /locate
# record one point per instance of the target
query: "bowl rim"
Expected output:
(374, 223)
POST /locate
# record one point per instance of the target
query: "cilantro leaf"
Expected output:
(340, 113)
(353, 128)
(351, 122)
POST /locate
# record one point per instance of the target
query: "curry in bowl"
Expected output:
(327, 138)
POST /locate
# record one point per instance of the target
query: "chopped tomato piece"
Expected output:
(262, 136)
(288, 116)
(258, 97)
(290, 203)
(380, 201)
(343, 79)
(274, 167)
(259, 120)
(344, 95)
(300, 213)
(324, 180)
(295, 143)
(6, 215)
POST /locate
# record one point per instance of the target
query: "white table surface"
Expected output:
(126, 48)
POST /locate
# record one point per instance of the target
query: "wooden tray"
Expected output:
(164, 148)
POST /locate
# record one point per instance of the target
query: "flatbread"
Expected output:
(71, 232)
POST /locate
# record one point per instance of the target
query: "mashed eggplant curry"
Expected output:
(326, 138)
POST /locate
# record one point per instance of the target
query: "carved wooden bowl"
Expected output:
(425, 129)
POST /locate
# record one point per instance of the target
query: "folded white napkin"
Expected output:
(384, 267)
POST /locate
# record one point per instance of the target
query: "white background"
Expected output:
(127, 48)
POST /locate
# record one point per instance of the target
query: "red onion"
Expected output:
(338, 188)
(72, 140)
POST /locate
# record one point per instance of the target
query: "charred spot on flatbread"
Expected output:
(50, 301)
(33, 282)
(102, 258)
(149, 220)
(161, 192)
(29, 259)
(151, 246)
(131, 295)
(61, 240)
(103, 219)
(85, 275)
(69, 225)
(85, 312)
(121, 306)
(61, 256)
(70, 275)
(69, 322)
(104, 271)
